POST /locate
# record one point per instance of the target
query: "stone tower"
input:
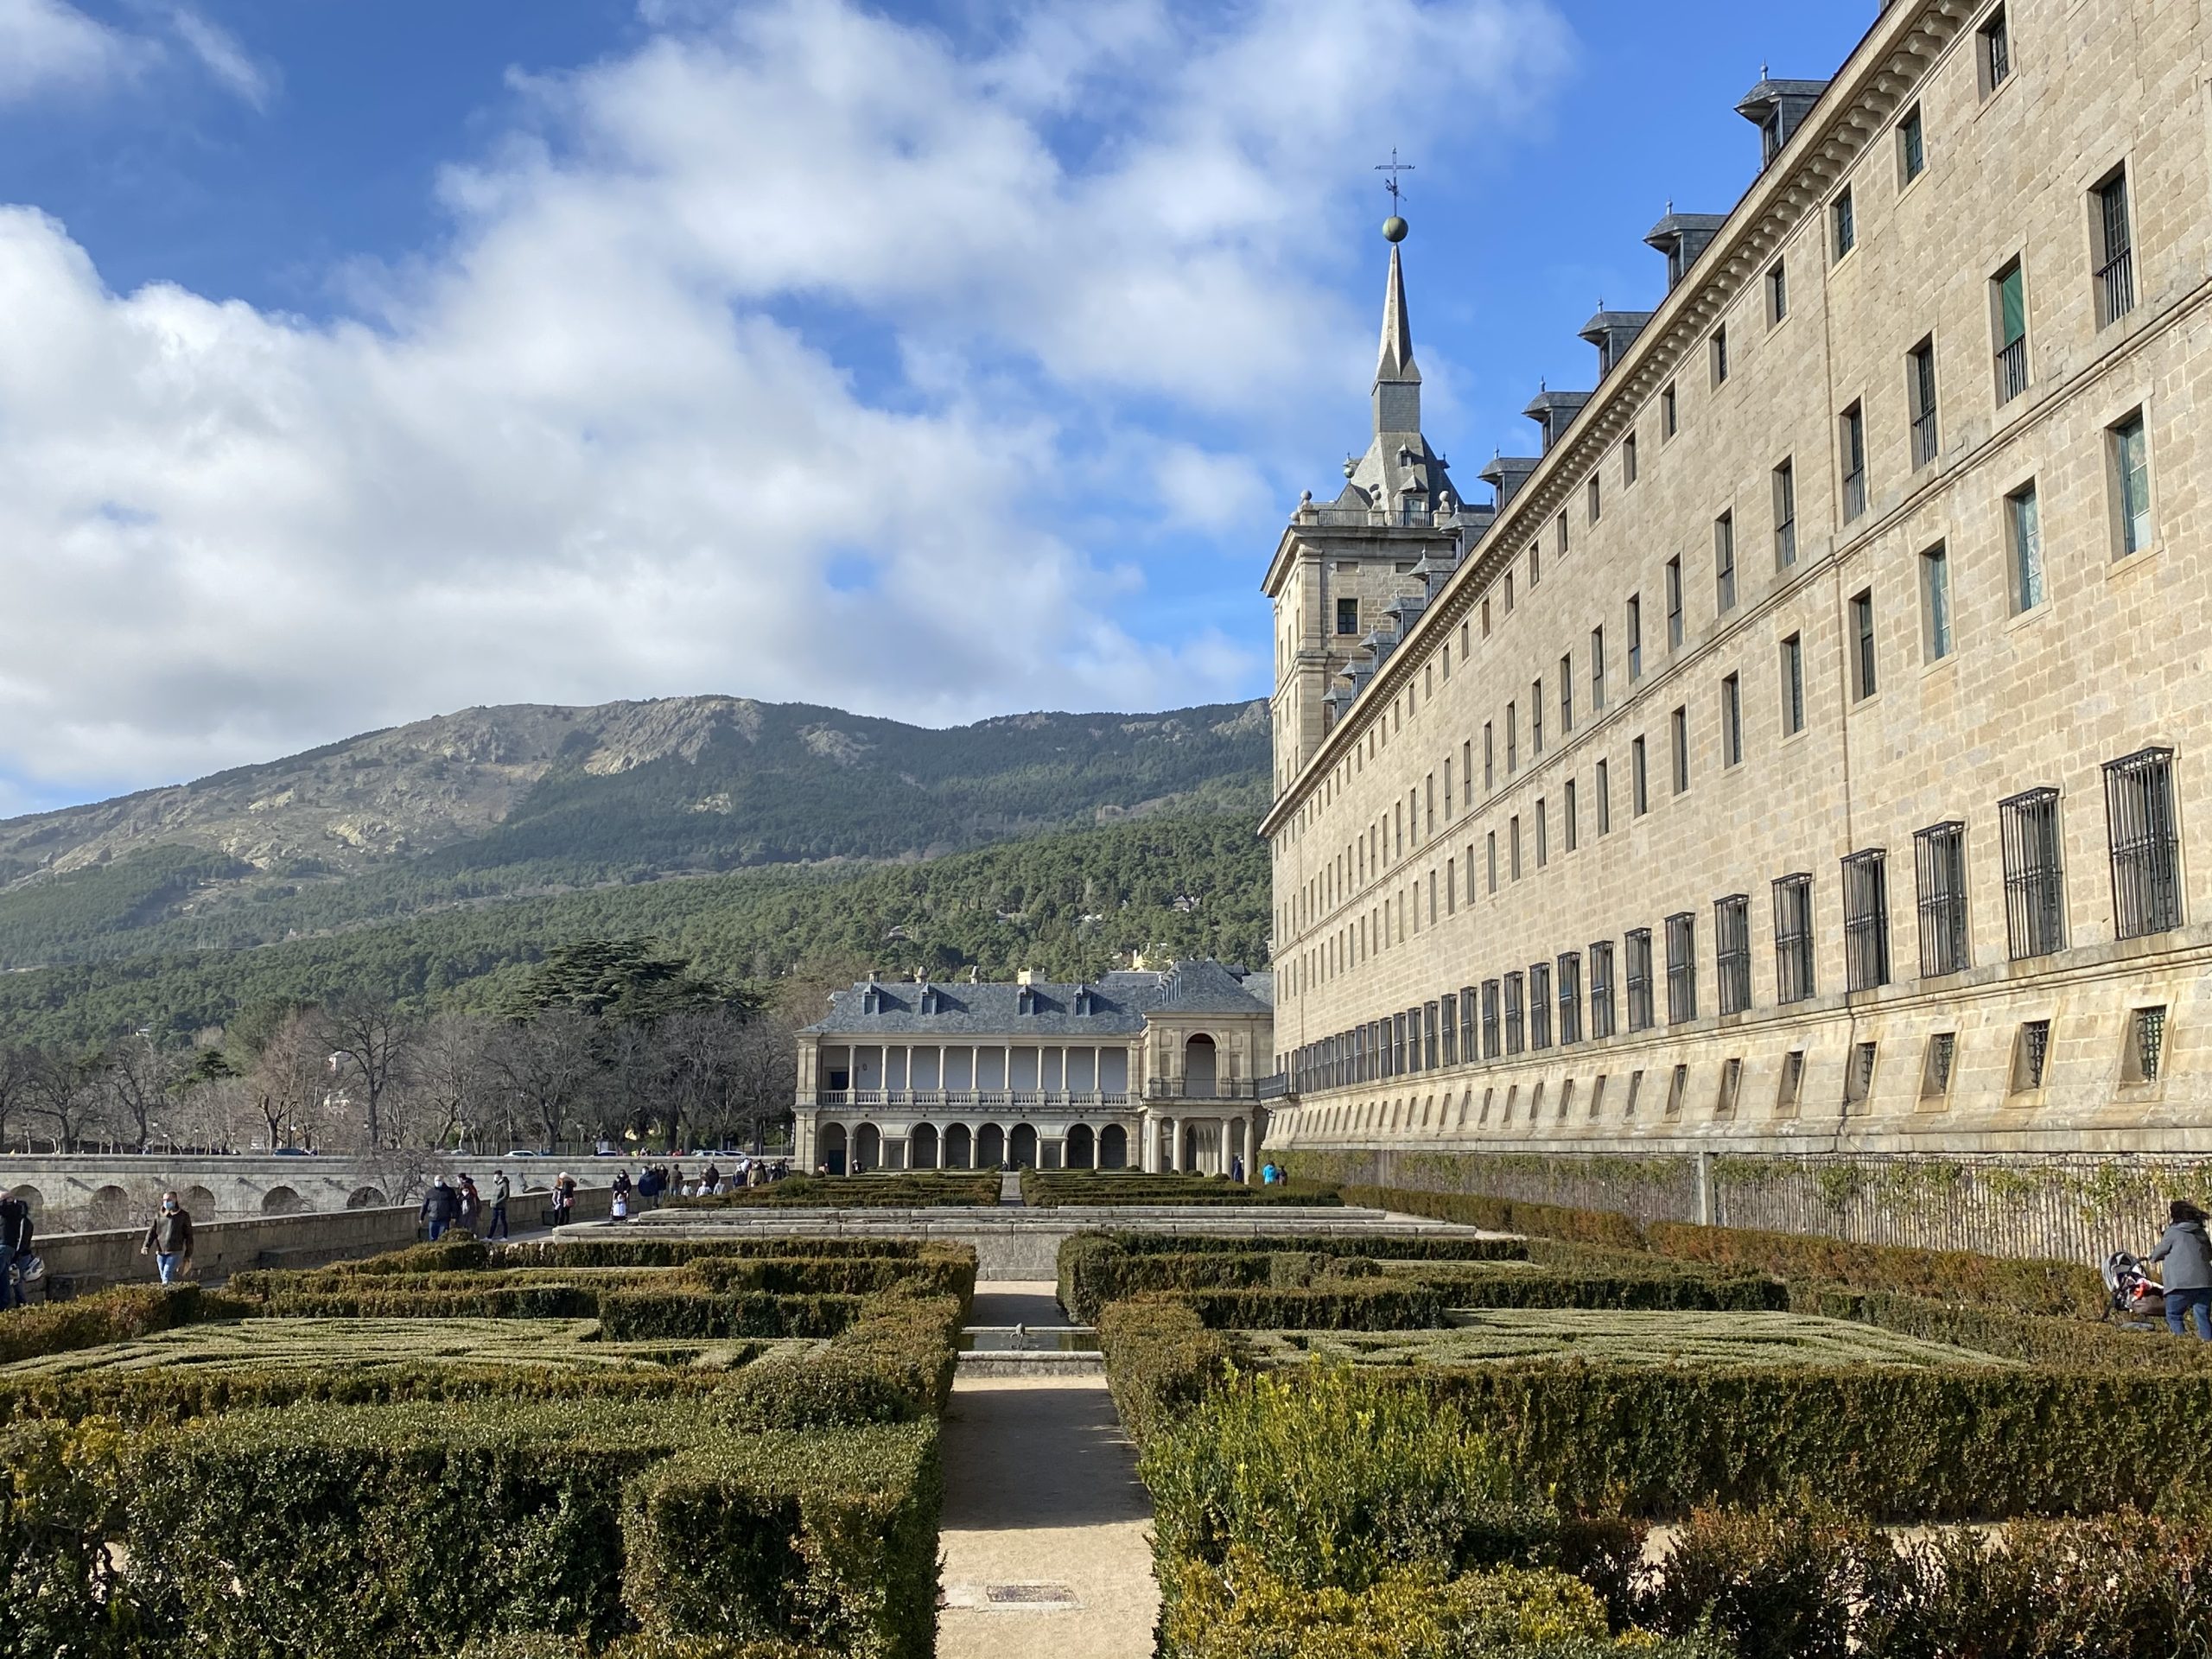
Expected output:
(1348, 578)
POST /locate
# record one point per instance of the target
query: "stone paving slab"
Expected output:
(1045, 1525)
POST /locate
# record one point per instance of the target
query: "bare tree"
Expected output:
(550, 1066)
(372, 1043)
(18, 1072)
(292, 1076)
(450, 1083)
(64, 1090)
(136, 1076)
(764, 1074)
(211, 1112)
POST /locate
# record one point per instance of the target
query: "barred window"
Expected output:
(1793, 937)
(1490, 1020)
(1639, 979)
(1858, 1079)
(1682, 968)
(1429, 1024)
(1635, 1088)
(1677, 1086)
(2147, 1040)
(2146, 846)
(1451, 1028)
(1467, 1049)
(1570, 997)
(1791, 1086)
(1601, 988)
(1397, 1044)
(1540, 1005)
(1732, 1081)
(1935, 1071)
(1867, 919)
(1785, 513)
(2035, 878)
(1731, 940)
(1938, 856)
(1515, 1019)
(2030, 1055)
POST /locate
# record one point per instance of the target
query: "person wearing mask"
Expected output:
(169, 1239)
(497, 1227)
(15, 1247)
(471, 1207)
(619, 1200)
(2187, 1279)
(439, 1205)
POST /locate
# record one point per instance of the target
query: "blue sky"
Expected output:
(360, 361)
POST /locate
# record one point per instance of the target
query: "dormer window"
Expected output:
(931, 1001)
(1084, 1002)
(872, 1000)
(1025, 1001)
(1770, 138)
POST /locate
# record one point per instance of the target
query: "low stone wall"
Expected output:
(2076, 1209)
(77, 1262)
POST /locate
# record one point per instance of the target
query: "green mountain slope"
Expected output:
(1071, 904)
(526, 801)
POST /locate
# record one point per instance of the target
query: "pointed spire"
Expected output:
(1397, 360)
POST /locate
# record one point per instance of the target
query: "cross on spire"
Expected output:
(1393, 166)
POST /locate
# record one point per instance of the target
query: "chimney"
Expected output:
(1026, 976)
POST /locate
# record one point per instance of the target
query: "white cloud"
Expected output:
(598, 445)
(218, 50)
(49, 45)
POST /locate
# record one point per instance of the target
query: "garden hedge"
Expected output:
(2035, 1339)
(120, 1315)
(1607, 1227)
(1095, 1268)
(1047, 1189)
(404, 1529)
(897, 1189)
(2022, 1286)
(1378, 1304)
(565, 1252)
(1160, 1360)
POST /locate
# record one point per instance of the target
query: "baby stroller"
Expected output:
(2132, 1293)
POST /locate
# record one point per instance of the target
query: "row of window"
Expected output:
(1415, 820)
(2144, 1043)
(1516, 1009)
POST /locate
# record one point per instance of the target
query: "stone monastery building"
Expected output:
(1811, 747)
(1159, 1069)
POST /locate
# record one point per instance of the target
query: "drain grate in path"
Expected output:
(1030, 1596)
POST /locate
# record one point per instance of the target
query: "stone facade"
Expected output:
(1157, 1070)
(2007, 940)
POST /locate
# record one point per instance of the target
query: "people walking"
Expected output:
(619, 1202)
(497, 1227)
(2187, 1253)
(1236, 1169)
(472, 1207)
(15, 1247)
(439, 1205)
(168, 1240)
(564, 1198)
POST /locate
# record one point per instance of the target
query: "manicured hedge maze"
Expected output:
(1480, 1476)
(1049, 1188)
(910, 1189)
(701, 1454)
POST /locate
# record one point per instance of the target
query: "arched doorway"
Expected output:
(32, 1196)
(868, 1148)
(1022, 1154)
(1200, 1069)
(1113, 1148)
(921, 1147)
(282, 1201)
(990, 1146)
(959, 1146)
(109, 1207)
(200, 1201)
(830, 1154)
(365, 1198)
(1080, 1147)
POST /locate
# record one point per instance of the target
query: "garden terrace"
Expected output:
(1049, 1188)
(883, 1190)
(435, 1467)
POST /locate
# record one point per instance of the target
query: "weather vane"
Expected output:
(1393, 228)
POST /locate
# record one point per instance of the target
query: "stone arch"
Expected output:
(282, 1201)
(365, 1198)
(959, 1146)
(921, 1147)
(830, 1154)
(990, 1146)
(31, 1196)
(1021, 1147)
(868, 1148)
(1082, 1147)
(109, 1207)
(1113, 1148)
(1201, 1067)
(199, 1201)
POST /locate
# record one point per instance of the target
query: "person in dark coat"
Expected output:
(15, 1246)
(439, 1205)
(497, 1227)
(2187, 1253)
(169, 1239)
(564, 1198)
(471, 1215)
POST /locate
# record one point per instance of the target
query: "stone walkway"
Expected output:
(1045, 1522)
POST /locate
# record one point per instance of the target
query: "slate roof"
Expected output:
(1116, 1005)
